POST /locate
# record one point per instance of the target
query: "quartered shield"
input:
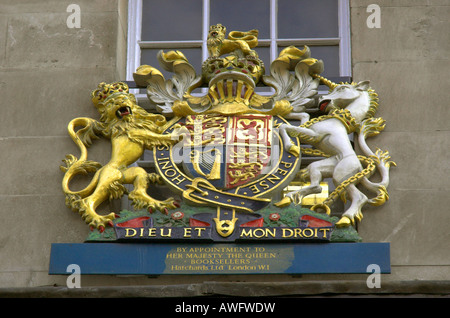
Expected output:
(228, 151)
(236, 162)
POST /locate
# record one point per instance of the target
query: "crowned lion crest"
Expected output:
(238, 161)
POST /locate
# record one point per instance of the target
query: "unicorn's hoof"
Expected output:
(344, 222)
(284, 202)
(295, 150)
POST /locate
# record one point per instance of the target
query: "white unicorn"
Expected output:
(350, 108)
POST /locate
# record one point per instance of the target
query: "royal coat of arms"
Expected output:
(244, 165)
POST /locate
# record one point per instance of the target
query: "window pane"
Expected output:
(194, 56)
(307, 19)
(242, 15)
(171, 20)
(264, 55)
(329, 55)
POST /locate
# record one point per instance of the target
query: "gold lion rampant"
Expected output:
(131, 130)
(237, 40)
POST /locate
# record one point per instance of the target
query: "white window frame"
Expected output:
(135, 44)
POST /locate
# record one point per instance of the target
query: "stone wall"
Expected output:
(407, 61)
(47, 73)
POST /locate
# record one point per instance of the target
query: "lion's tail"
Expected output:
(84, 136)
(74, 166)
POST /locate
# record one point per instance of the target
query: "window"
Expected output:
(172, 24)
(183, 25)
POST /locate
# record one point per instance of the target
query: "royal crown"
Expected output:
(218, 27)
(104, 90)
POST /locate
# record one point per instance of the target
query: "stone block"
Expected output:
(408, 32)
(415, 217)
(421, 158)
(30, 166)
(3, 37)
(43, 40)
(30, 224)
(410, 94)
(42, 102)
(414, 222)
(56, 6)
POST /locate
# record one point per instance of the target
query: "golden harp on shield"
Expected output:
(214, 171)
